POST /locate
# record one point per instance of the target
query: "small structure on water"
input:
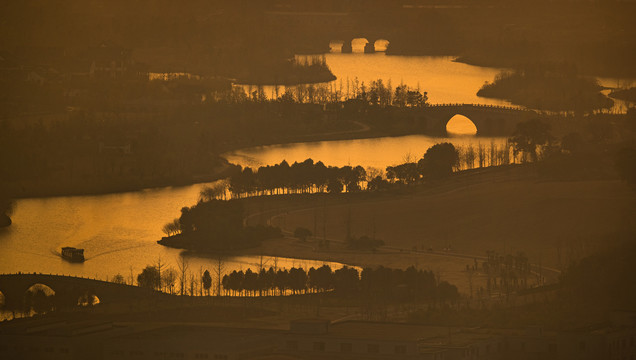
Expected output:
(73, 254)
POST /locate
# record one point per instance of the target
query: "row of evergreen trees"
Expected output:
(381, 282)
(303, 177)
(306, 177)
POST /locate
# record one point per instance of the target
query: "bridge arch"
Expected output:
(380, 45)
(88, 298)
(360, 44)
(40, 298)
(460, 125)
(336, 46)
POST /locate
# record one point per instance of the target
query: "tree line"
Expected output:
(377, 93)
(439, 161)
(382, 282)
(390, 284)
(307, 177)
(531, 141)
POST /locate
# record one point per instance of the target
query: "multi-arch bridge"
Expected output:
(315, 31)
(67, 289)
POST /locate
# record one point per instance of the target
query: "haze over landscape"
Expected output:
(359, 179)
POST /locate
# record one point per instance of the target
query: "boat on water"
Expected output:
(73, 254)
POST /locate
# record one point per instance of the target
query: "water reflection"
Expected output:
(445, 80)
(117, 231)
(375, 153)
(620, 106)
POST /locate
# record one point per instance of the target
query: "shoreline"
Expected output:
(363, 132)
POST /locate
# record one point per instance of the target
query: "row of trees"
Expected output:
(376, 93)
(217, 224)
(527, 143)
(304, 177)
(507, 273)
(381, 282)
(439, 161)
(182, 280)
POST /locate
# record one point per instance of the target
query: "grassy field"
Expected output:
(506, 210)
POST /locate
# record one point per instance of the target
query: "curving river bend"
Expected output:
(119, 231)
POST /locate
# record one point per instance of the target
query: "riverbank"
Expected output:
(46, 189)
(548, 86)
(68, 183)
(553, 222)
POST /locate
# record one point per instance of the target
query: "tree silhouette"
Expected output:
(439, 161)
(183, 264)
(207, 281)
(529, 136)
(149, 278)
(169, 278)
(118, 279)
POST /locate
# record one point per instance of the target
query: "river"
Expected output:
(119, 231)
(444, 80)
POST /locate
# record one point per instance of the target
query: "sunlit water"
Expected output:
(369, 153)
(117, 231)
(444, 80)
(620, 106)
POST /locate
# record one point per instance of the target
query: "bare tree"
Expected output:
(200, 280)
(183, 265)
(169, 278)
(159, 266)
(192, 284)
(469, 274)
(218, 271)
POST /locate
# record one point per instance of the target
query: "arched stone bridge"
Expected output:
(490, 120)
(313, 31)
(68, 289)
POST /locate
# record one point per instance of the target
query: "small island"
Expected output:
(215, 225)
(550, 87)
